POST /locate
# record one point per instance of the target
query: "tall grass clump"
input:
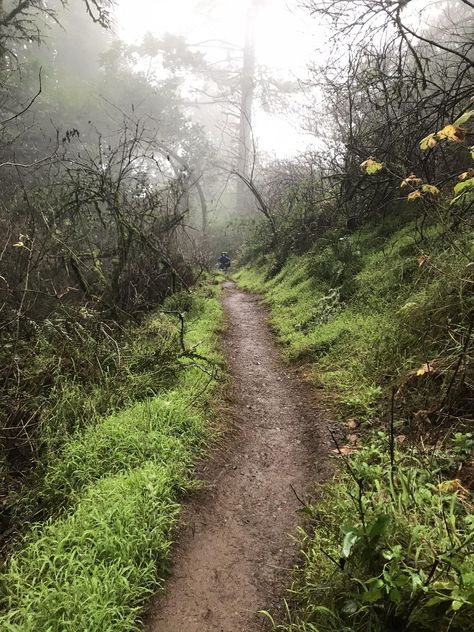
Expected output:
(112, 494)
(91, 570)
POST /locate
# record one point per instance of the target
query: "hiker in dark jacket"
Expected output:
(223, 262)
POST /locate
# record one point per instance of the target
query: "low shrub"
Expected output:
(388, 549)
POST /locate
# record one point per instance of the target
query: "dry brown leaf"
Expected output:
(412, 180)
(453, 486)
(344, 450)
(452, 133)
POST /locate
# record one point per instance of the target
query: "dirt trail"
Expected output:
(235, 554)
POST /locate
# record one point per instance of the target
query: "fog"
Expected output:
(284, 43)
(205, 118)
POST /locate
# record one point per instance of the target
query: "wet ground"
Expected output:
(235, 553)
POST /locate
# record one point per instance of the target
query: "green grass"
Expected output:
(115, 486)
(379, 557)
(366, 316)
(388, 548)
(91, 570)
(149, 431)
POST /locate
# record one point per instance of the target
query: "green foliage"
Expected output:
(150, 431)
(75, 368)
(90, 567)
(400, 560)
(367, 309)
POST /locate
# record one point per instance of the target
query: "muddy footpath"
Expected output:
(235, 552)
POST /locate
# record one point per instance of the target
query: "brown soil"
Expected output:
(235, 555)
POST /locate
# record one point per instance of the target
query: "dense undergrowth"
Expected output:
(383, 316)
(111, 490)
(67, 372)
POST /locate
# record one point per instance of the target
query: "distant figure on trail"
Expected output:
(223, 262)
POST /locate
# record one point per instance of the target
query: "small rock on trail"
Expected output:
(235, 555)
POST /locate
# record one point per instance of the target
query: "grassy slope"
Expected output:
(364, 314)
(118, 483)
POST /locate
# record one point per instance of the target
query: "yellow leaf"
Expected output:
(471, 149)
(422, 259)
(430, 188)
(466, 175)
(428, 142)
(371, 166)
(452, 133)
(425, 368)
(414, 195)
(411, 180)
(19, 244)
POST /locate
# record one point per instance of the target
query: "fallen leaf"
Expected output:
(425, 368)
(352, 438)
(400, 439)
(344, 450)
(422, 259)
(352, 424)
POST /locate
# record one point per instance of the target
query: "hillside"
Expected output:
(381, 319)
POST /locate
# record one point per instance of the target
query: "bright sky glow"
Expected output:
(286, 40)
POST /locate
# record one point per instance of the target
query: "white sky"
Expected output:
(286, 40)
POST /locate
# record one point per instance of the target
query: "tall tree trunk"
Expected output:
(247, 84)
